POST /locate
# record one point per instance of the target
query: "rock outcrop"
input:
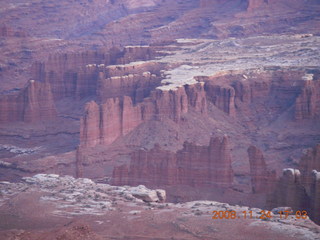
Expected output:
(31, 104)
(315, 196)
(262, 179)
(290, 191)
(104, 123)
(147, 195)
(222, 96)
(196, 166)
(309, 162)
(301, 191)
(307, 105)
(136, 53)
(90, 124)
(136, 86)
(79, 203)
(76, 74)
(67, 73)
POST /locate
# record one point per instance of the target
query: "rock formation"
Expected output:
(262, 179)
(127, 212)
(309, 162)
(136, 53)
(31, 104)
(90, 125)
(315, 196)
(222, 97)
(137, 86)
(147, 195)
(102, 124)
(67, 73)
(76, 74)
(307, 105)
(196, 166)
(290, 191)
(301, 191)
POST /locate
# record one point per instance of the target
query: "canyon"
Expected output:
(202, 101)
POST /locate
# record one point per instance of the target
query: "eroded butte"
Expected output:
(213, 104)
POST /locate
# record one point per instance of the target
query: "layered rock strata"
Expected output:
(196, 166)
(77, 74)
(315, 196)
(307, 105)
(31, 104)
(300, 189)
(262, 179)
(104, 123)
(137, 86)
(309, 162)
(290, 191)
(222, 96)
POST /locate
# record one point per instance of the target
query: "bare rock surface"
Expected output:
(68, 208)
(136, 90)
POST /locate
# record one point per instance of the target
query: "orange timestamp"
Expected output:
(264, 215)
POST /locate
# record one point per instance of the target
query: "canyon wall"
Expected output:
(290, 191)
(262, 179)
(309, 162)
(196, 166)
(76, 74)
(307, 105)
(104, 123)
(31, 104)
(63, 71)
(222, 97)
(269, 91)
(136, 86)
(315, 196)
(136, 80)
(300, 189)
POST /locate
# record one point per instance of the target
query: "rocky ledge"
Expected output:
(82, 208)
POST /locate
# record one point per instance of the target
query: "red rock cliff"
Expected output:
(301, 191)
(309, 162)
(307, 104)
(76, 74)
(33, 103)
(262, 179)
(222, 96)
(102, 124)
(195, 166)
(137, 86)
(315, 196)
(290, 191)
